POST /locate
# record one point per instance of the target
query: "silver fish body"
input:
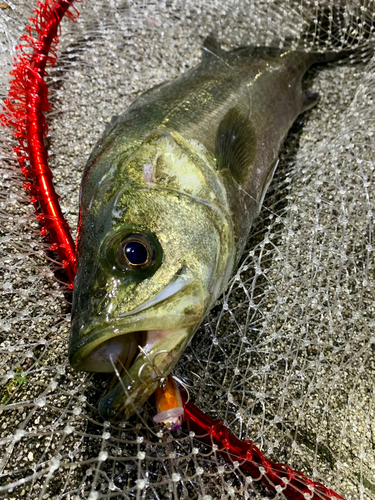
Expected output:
(168, 198)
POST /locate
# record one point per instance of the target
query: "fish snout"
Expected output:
(141, 346)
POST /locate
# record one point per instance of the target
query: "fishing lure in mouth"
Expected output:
(169, 405)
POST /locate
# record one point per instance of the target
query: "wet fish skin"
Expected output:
(187, 166)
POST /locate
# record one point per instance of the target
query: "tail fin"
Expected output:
(337, 32)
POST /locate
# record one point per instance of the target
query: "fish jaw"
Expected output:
(152, 365)
(140, 349)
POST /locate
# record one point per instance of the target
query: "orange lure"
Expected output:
(169, 405)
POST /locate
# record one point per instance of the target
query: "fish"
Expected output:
(168, 198)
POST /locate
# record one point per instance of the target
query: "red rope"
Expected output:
(275, 476)
(24, 112)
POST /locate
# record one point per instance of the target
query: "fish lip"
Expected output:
(136, 320)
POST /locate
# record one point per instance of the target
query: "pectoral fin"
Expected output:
(235, 144)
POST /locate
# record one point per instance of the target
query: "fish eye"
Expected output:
(135, 253)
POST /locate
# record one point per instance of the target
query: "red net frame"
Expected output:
(24, 110)
(277, 477)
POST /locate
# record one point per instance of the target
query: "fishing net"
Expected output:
(286, 356)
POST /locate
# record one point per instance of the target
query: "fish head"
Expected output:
(151, 261)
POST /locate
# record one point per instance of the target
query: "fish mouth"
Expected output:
(137, 378)
(142, 346)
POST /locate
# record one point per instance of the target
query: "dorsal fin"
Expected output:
(235, 144)
(211, 47)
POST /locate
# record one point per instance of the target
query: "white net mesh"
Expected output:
(286, 357)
